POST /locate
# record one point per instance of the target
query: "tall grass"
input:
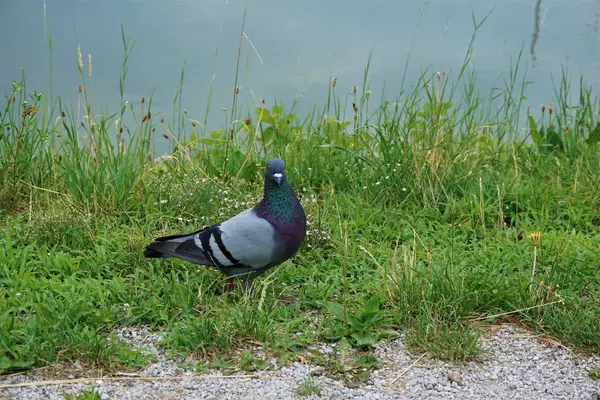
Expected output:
(420, 209)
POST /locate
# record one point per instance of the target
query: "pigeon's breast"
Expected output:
(290, 234)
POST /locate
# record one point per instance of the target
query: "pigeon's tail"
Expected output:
(149, 252)
(180, 246)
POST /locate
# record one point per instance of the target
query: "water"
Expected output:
(301, 46)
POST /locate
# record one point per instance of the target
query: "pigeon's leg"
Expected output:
(228, 285)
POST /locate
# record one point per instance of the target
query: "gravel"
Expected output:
(516, 365)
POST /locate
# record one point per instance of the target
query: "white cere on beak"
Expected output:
(277, 175)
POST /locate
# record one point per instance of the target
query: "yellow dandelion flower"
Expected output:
(535, 236)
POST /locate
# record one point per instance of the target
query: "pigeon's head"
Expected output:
(275, 172)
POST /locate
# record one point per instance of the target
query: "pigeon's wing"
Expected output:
(245, 240)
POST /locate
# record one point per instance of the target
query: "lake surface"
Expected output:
(301, 45)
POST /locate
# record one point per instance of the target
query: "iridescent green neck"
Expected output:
(279, 201)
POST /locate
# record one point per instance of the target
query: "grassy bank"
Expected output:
(434, 213)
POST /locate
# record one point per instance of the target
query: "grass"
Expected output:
(309, 386)
(91, 394)
(420, 214)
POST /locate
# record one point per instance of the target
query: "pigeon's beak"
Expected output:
(278, 178)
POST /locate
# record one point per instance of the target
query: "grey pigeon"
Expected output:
(249, 243)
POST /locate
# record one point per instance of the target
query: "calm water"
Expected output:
(302, 44)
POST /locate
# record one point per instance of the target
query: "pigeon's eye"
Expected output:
(268, 168)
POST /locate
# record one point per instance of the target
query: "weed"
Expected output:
(450, 341)
(345, 362)
(364, 328)
(201, 334)
(249, 363)
(310, 386)
(88, 394)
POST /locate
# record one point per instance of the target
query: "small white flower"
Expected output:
(18, 294)
(163, 201)
(404, 189)
(377, 183)
(126, 305)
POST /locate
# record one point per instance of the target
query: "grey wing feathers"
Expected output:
(243, 240)
(249, 239)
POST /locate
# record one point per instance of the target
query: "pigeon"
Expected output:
(249, 243)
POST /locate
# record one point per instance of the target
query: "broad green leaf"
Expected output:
(364, 338)
(446, 106)
(278, 109)
(533, 131)
(354, 322)
(336, 309)
(220, 363)
(288, 119)
(387, 334)
(261, 364)
(336, 333)
(372, 305)
(4, 364)
(267, 134)
(426, 112)
(367, 361)
(263, 115)
(595, 135)
(216, 134)
(553, 138)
